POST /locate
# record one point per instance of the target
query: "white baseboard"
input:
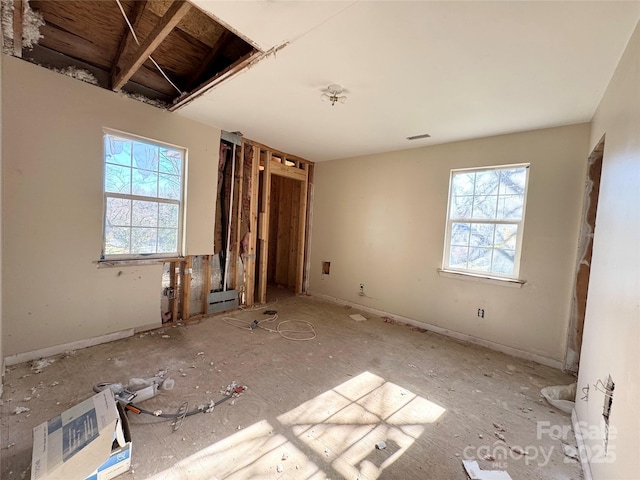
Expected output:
(586, 468)
(58, 349)
(516, 352)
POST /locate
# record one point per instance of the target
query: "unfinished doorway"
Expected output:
(283, 224)
(583, 264)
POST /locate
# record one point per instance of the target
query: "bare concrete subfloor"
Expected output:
(312, 409)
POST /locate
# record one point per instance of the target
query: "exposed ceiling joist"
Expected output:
(213, 53)
(127, 44)
(17, 28)
(178, 9)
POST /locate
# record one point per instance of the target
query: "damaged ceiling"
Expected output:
(452, 70)
(162, 51)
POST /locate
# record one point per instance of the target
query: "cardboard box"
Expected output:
(78, 442)
(119, 461)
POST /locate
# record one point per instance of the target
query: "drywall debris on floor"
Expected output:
(20, 410)
(561, 396)
(357, 317)
(475, 473)
(39, 365)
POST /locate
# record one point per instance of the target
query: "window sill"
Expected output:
(137, 261)
(505, 282)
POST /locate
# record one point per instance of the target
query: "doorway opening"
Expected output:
(583, 265)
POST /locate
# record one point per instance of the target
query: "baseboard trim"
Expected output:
(58, 349)
(516, 352)
(586, 468)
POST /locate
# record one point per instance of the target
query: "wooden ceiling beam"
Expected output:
(213, 53)
(178, 9)
(128, 43)
(17, 28)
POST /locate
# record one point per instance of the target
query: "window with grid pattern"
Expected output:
(143, 198)
(485, 220)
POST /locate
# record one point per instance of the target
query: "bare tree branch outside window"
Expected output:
(143, 197)
(486, 215)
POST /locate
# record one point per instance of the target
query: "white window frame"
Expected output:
(520, 229)
(181, 202)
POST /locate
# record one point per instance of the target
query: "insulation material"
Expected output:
(197, 283)
(78, 73)
(142, 98)
(6, 10)
(32, 21)
(216, 272)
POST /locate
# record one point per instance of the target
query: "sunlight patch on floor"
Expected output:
(340, 426)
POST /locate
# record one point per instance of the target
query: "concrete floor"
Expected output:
(312, 409)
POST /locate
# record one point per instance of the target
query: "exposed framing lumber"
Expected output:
(302, 223)
(173, 283)
(307, 233)
(227, 73)
(264, 228)
(250, 258)
(213, 53)
(17, 27)
(238, 219)
(206, 284)
(278, 168)
(178, 9)
(187, 265)
(299, 161)
(128, 43)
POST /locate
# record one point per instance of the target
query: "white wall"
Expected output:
(380, 221)
(611, 341)
(52, 213)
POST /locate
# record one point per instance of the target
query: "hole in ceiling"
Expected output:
(92, 41)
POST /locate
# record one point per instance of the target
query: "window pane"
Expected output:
(513, 181)
(458, 257)
(460, 234)
(480, 259)
(461, 207)
(170, 161)
(487, 182)
(117, 150)
(510, 207)
(143, 240)
(169, 215)
(484, 207)
(117, 179)
(506, 236)
(145, 183)
(462, 183)
(503, 261)
(145, 156)
(118, 212)
(116, 240)
(167, 240)
(482, 234)
(144, 214)
(169, 187)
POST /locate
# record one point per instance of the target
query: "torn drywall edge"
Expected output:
(586, 468)
(58, 349)
(534, 357)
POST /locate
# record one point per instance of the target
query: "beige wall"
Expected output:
(52, 210)
(611, 339)
(380, 221)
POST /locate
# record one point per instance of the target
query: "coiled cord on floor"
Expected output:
(308, 333)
